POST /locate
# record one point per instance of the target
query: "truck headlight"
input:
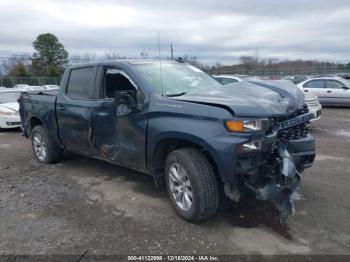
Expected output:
(242, 125)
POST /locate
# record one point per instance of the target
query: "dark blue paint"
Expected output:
(93, 126)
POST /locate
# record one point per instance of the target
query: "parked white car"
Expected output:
(20, 86)
(33, 88)
(229, 79)
(51, 87)
(9, 115)
(330, 90)
(314, 105)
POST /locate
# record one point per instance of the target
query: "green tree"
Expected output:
(50, 58)
(20, 70)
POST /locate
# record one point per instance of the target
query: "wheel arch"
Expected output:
(33, 122)
(166, 144)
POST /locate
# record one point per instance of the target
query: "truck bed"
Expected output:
(38, 105)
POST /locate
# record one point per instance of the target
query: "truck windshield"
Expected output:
(175, 79)
(9, 97)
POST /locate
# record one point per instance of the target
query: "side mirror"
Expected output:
(346, 87)
(127, 98)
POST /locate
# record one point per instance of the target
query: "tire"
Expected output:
(41, 142)
(197, 179)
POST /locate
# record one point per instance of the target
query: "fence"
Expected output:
(263, 71)
(33, 81)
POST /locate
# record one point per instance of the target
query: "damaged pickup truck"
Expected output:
(176, 123)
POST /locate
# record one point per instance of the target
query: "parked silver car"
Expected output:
(330, 90)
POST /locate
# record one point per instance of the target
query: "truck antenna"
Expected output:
(160, 66)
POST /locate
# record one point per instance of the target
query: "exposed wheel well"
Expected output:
(163, 149)
(34, 122)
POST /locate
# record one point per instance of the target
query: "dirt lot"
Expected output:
(84, 205)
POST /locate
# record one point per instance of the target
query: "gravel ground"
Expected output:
(84, 205)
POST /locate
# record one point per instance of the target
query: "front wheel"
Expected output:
(44, 148)
(191, 184)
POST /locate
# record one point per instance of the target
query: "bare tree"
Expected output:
(112, 55)
(8, 64)
(144, 55)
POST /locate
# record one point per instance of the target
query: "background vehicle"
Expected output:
(9, 115)
(19, 86)
(180, 126)
(333, 91)
(295, 79)
(229, 79)
(33, 88)
(51, 87)
(314, 105)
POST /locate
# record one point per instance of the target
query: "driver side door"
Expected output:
(119, 131)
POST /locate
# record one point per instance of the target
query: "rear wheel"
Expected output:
(44, 148)
(191, 184)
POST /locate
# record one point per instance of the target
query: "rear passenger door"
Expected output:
(73, 109)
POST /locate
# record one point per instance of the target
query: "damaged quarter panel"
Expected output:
(41, 110)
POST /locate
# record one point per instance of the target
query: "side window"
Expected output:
(116, 80)
(334, 84)
(80, 83)
(314, 84)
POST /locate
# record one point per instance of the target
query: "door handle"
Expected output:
(306, 90)
(60, 108)
(329, 91)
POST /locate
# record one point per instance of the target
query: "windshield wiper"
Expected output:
(177, 94)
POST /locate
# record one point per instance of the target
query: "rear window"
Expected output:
(80, 82)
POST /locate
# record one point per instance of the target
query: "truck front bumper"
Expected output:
(273, 173)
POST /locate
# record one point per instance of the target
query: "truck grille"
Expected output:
(294, 132)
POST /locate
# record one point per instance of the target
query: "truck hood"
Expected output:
(14, 106)
(253, 98)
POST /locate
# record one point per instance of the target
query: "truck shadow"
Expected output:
(252, 213)
(248, 213)
(10, 130)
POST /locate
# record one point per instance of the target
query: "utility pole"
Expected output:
(171, 52)
(257, 60)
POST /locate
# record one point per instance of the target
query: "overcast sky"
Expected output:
(214, 31)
